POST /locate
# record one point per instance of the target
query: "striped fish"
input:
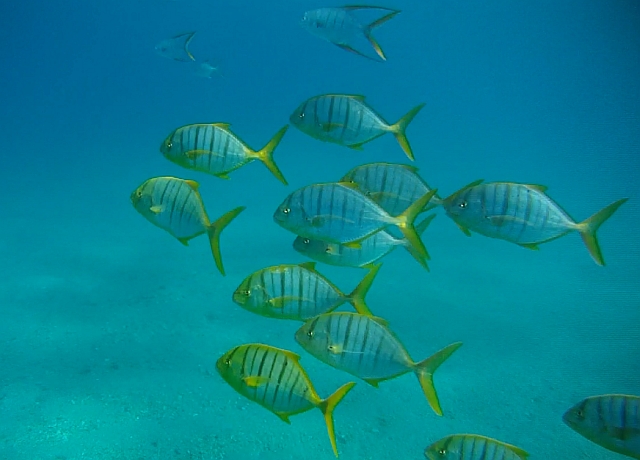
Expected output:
(612, 421)
(273, 378)
(298, 292)
(338, 213)
(365, 347)
(522, 214)
(341, 27)
(212, 148)
(473, 447)
(348, 120)
(176, 48)
(175, 205)
(393, 186)
(371, 249)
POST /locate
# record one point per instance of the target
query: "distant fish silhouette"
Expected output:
(176, 48)
(205, 69)
(341, 27)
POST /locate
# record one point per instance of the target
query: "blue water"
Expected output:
(111, 328)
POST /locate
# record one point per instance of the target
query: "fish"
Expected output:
(338, 213)
(365, 347)
(522, 214)
(298, 292)
(341, 27)
(274, 378)
(612, 421)
(176, 48)
(346, 119)
(393, 186)
(205, 69)
(371, 249)
(214, 149)
(473, 447)
(175, 205)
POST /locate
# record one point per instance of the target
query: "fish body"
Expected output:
(338, 213)
(341, 27)
(347, 120)
(371, 249)
(611, 421)
(473, 447)
(176, 48)
(393, 186)
(297, 292)
(214, 149)
(365, 347)
(175, 205)
(274, 378)
(521, 213)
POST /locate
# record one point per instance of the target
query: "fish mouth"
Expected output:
(238, 298)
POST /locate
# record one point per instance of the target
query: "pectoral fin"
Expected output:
(353, 245)
(499, 221)
(373, 382)
(156, 209)
(532, 246)
(255, 381)
(328, 127)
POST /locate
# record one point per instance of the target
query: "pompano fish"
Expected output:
(338, 213)
(274, 378)
(521, 213)
(371, 249)
(473, 447)
(611, 421)
(365, 347)
(341, 27)
(298, 292)
(175, 205)
(393, 186)
(212, 148)
(176, 48)
(346, 119)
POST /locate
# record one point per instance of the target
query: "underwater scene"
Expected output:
(302, 229)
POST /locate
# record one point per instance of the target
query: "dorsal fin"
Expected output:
(222, 125)
(380, 321)
(193, 184)
(538, 187)
(358, 97)
(310, 265)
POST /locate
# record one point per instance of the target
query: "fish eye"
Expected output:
(286, 210)
(306, 241)
(139, 193)
(301, 116)
(310, 334)
(442, 451)
(579, 413)
(227, 362)
(246, 292)
(169, 144)
(462, 204)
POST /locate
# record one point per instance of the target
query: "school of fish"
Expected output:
(355, 222)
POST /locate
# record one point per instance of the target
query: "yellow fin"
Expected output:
(215, 229)
(380, 321)
(358, 97)
(334, 349)
(327, 407)
(157, 209)
(590, 226)
(373, 382)
(399, 130)
(283, 417)
(356, 298)
(464, 229)
(224, 176)
(532, 246)
(280, 302)
(353, 245)
(266, 154)
(184, 241)
(356, 146)
(193, 184)
(294, 356)
(255, 380)
(327, 127)
(425, 369)
(191, 154)
(308, 266)
(222, 125)
(539, 188)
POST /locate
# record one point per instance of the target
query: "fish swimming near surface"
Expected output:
(274, 378)
(521, 213)
(365, 347)
(176, 48)
(371, 249)
(612, 421)
(214, 149)
(347, 120)
(341, 27)
(393, 186)
(339, 213)
(473, 447)
(298, 292)
(175, 205)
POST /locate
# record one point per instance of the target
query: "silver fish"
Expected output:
(393, 186)
(214, 149)
(338, 213)
(371, 249)
(521, 213)
(175, 205)
(176, 48)
(346, 119)
(473, 447)
(298, 292)
(206, 69)
(365, 347)
(341, 27)
(611, 421)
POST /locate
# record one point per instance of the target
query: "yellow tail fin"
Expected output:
(420, 228)
(425, 369)
(356, 298)
(266, 154)
(328, 405)
(589, 227)
(214, 231)
(373, 25)
(406, 220)
(399, 130)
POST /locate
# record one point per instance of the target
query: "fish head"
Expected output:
(578, 419)
(304, 120)
(251, 296)
(313, 20)
(309, 246)
(442, 450)
(172, 150)
(313, 335)
(290, 214)
(229, 367)
(465, 206)
(141, 198)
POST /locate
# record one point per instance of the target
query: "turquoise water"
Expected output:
(111, 328)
